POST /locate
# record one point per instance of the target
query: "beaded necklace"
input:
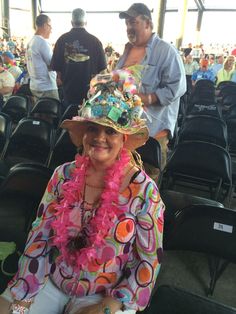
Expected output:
(78, 256)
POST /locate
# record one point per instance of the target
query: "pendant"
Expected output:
(77, 243)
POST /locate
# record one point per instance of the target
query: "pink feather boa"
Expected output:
(100, 224)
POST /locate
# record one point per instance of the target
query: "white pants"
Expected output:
(50, 300)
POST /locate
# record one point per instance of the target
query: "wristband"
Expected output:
(19, 309)
(149, 99)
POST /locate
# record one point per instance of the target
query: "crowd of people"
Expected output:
(96, 244)
(216, 68)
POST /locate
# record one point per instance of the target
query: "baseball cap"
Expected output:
(135, 10)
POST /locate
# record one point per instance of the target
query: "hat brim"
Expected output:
(128, 14)
(136, 136)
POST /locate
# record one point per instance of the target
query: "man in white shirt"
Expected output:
(38, 58)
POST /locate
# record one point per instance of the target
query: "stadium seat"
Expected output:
(173, 300)
(199, 168)
(31, 140)
(17, 107)
(204, 128)
(206, 229)
(63, 151)
(48, 109)
(5, 130)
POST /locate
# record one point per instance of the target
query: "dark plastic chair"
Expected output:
(63, 151)
(172, 300)
(48, 109)
(5, 130)
(203, 108)
(203, 92)
(204, 128)
(70, 112)
(199, 168)
(31, 140)
(150, 152)
(230, 120)
(205, 229)
(226, 88)
(204, 84)
(17, 107)
(20, 195)
(175, 201)
(229, 100)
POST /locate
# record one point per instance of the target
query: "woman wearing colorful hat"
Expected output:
(96, 244)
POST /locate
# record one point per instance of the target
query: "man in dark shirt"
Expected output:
(77, 57)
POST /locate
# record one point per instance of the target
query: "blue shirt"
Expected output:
(163, 74)
(203, 75)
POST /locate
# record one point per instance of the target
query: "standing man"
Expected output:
(38, 58)
(77, 57)
(162, 73)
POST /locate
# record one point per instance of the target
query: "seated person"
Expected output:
(190, 66)
(7, 82)
(203, 73)
(9, 60)
(96, 244)
(226, 73)
(219, 64)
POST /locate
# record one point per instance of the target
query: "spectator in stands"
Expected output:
(7, 83)
(9, 60)
(211, 61)
(77, 57)
(161, 72)
(96, 244)
(219, 64)
(203, 73)
(188, 50)
(225, 74)
(190, 66)
(11, 44)
(38, 58)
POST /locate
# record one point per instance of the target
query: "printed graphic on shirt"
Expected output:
(75, 52)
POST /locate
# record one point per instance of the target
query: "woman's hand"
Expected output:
(91, 309)
(109, 302)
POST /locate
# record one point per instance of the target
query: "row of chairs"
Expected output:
(33, 139)
(50, 109)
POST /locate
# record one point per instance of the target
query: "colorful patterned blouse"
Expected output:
(136, 239)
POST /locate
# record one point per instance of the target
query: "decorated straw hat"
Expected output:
(112, 102)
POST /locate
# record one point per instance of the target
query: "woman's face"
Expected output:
(102, 144)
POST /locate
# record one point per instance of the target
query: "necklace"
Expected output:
(100, 223)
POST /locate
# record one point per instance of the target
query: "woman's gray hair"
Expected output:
(78, 17)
